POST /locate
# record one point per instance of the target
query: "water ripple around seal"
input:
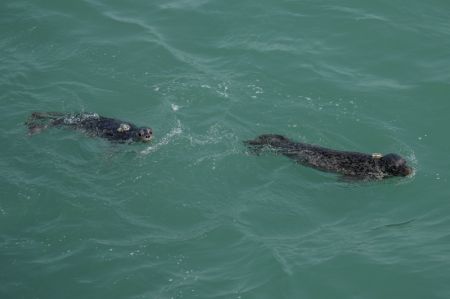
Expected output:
(193, 214)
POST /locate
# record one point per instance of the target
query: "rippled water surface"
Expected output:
(193, 214)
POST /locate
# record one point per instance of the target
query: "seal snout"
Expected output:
(407, 171)
(145, 134)
(395, 165)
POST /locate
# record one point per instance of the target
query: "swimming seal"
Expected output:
(352, 165)
(90, 123)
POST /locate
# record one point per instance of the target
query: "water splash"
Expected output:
(164, 140)
(174, 107)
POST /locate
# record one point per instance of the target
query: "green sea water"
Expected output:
(193, 214)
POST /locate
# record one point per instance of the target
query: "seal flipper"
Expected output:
(39, 121)
(46, 115)
(34, 129)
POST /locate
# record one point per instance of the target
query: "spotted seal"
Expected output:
(92, 124)
(351, 165)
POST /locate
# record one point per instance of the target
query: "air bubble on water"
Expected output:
(422, 137)
(174, 107)
(222, 90)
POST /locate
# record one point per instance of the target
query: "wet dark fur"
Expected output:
(352, 165)
(91, 123)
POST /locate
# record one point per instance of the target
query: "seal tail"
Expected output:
(39, 121)
(273, 141)
(268, 139)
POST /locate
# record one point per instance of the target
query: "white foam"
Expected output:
(164, 140)
(174, 107)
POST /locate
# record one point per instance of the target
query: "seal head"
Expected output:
(145, 134)
(395, 165)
